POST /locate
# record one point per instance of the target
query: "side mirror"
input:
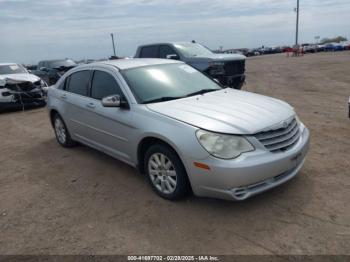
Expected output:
(43, 69)
(111, 101)
(173, 56)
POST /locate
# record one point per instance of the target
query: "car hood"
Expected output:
(227, 111)
(18, 78)
(220, 57)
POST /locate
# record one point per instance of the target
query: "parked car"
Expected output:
(287, 49)
(228, 69)
(310, 48)
(276, 49)
(52, 70)
(320, 47)
(252, 52)
(19, 88)
(333, 47)
(179, 127)
(346, 45)
(266, 50)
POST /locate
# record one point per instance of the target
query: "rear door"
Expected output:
(77, 102)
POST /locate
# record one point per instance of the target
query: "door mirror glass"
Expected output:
(173, 56)
(111, 101)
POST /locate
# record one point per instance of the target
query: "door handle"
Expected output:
(90, 105)
(64, 96)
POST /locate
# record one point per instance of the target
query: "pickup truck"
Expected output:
(228, 69)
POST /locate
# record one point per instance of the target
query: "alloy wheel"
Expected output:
(162, 173)
(60, 131)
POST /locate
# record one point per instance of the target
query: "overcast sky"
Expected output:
(32, 30)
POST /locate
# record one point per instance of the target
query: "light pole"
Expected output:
(297, 24)
(113, 44)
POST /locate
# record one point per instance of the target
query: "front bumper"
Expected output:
(249, 174)
(234, 81)
(24, 100)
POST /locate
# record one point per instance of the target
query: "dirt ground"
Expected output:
(79, 201)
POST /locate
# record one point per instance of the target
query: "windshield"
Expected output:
(62, 63)
(193, 49)
(12, 69)
(167, 82)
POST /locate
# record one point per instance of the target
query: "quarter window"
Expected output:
(103, 85)
(149, 52)
(79, 82)
(63, 85)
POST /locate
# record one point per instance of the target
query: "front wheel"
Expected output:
(166, 173)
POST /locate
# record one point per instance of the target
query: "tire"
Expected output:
(166, 173)
(61, 132)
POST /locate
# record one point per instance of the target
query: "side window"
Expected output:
(165, 50)
(78, 82)
(104, 84)
(149, 52)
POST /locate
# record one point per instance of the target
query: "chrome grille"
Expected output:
(281, 139)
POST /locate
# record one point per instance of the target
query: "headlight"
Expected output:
(216, 63)
(223, 146)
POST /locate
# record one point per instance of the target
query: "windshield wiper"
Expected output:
(201, 92)
(168, 98)
(162, 99)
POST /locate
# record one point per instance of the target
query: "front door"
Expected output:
(109, 128)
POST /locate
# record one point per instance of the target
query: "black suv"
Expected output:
(52, 70)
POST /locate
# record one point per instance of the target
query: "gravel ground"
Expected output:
(79, 201)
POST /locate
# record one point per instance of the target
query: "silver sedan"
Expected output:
(179, 127)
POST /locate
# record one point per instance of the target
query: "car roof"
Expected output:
(55, 60)
(169, 43)
(3, 64)
(136, 62)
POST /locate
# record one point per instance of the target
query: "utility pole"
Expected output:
(297, 24)
(113, 44)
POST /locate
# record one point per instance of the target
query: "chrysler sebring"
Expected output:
(180, 128)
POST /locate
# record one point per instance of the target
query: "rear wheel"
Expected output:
(166, 173)
(62, 135)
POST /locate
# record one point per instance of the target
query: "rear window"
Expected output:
(149, 52)
(79, 82)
